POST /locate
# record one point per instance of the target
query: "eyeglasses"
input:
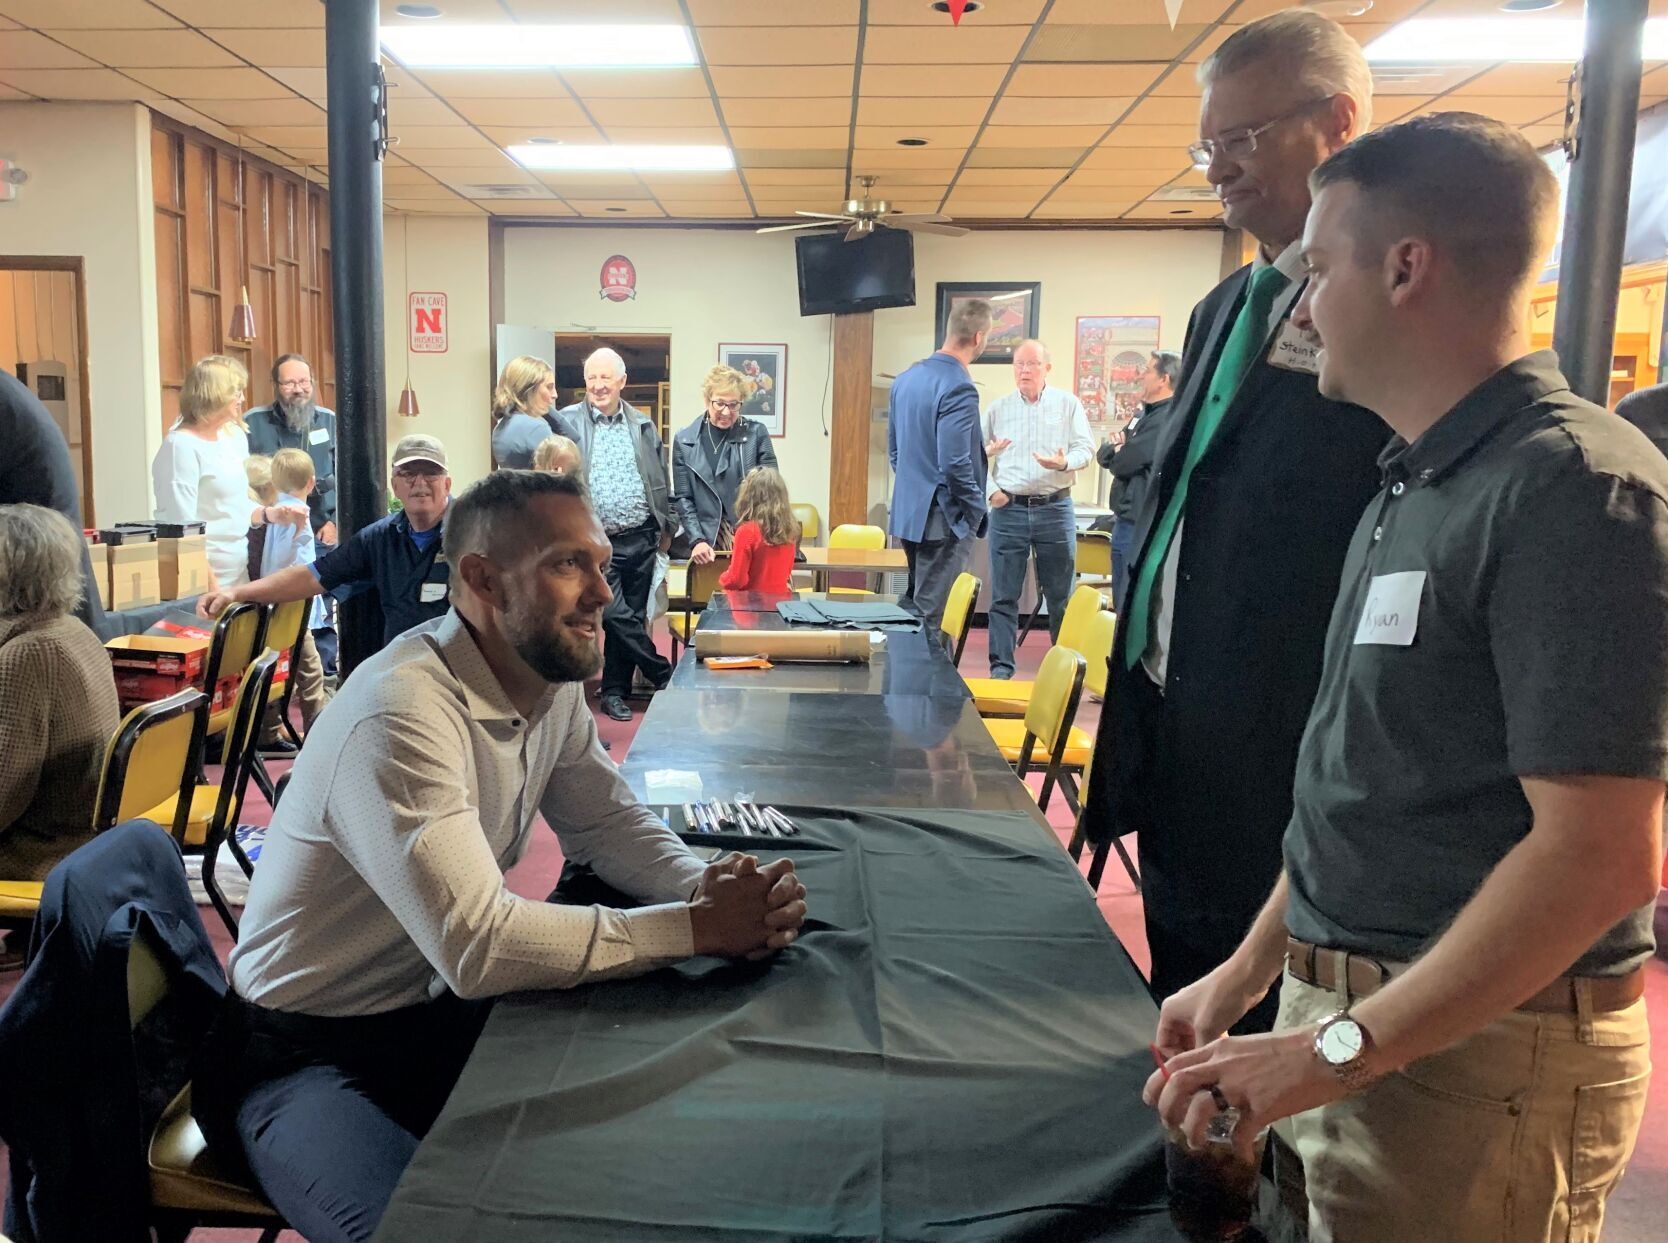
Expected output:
(1237, 144)
(1030, 366)
(288, 384)
(409, 473)
(731, 406)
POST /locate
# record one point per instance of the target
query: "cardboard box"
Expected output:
(182, 566)
(99, 556)
(134, 576)
(151, 667)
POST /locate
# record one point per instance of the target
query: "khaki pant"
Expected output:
(308, 671)
(1516, 1135)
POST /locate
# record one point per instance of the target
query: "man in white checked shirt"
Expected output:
(1037, 439)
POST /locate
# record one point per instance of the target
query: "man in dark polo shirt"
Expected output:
(400, 555)
(295, 421)
(1461, 1048)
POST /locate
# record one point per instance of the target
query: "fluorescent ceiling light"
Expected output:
(521, 47)
(636, 159)
(1476, 40)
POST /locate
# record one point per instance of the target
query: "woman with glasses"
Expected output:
(711, 457)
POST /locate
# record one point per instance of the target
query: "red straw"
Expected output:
(1159, 1059)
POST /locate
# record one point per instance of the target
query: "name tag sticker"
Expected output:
(1391, 614)
(1296, 349)
(320, 436)
(431, 592)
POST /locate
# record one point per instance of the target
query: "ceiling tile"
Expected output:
(1543, 137)
(285, 14)
(1013, 177)
(151, 49)
(780, 45)
(693, 186)
(477, 167)
(1180, 83)
(11, 92)
(1024, 157)
(475, 12)
(242, 113)
(308, 82)
(423, 110)
(432, 192)
(968, 193)
(902, 180)
(835, 110)
(533, 207)
(883, 158)
(419, 138)
(290, 136)
(520, 113)
(1139, 12)
(454, 157)
(1068, 110)
(921, 110)
(1102, 43)
(623, 208)
(269, 48)
(1175, 213)
(1009, 209)
(1177, 136)
(7, 23)
(948, 81)
(508, 84)
(1113, 179)
(607, 185)
(1165, 110)
(918, 13)
(818, 177)
(768, 12)
(91, 14)
(1052, 210)
(404, 175)
(75, 83)
(880, 136)
(680, 136)
(402, 81)
(1119, 197)
(667, 83)
(1079, 136)
(1513, 111)
(1158, 159)
(739, 210)
(764, 157)
(212, 83)
(509, 136)
(756, 137)
(422, 207)
(1518, 80)
(625, 11)
(796, 82)
(1081, 81)
(24, 49)
(1212, 40)
(967, 45)
(657, 112)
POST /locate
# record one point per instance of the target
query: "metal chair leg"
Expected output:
(1097, 865)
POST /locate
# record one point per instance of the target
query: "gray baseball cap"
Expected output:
(419, 449)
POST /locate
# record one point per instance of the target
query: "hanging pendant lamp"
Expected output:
(408, 395)
(242, 331)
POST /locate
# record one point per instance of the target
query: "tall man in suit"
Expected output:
(1257, 482)
(938, 464)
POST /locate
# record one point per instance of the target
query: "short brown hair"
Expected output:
(1474, 186)
(725, 379)
(278, 365)
(292, 471)
(968, 320)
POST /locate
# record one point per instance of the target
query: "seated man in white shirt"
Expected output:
(378, 920)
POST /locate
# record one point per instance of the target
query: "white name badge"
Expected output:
(430, 592)
(1391, 614)
(1296, 349)
(320, 436)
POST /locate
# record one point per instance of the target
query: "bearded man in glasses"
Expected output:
(1257, 482)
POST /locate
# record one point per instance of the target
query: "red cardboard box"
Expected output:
(152, 667)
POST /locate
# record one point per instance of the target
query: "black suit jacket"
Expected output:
(1647, 409)
(1132, 464)
(1270, 511)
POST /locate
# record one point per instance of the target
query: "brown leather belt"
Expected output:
(1357, 976)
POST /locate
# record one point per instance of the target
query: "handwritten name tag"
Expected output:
(1296, 349)
(1391, 614)
(320, 436)
(429, 593)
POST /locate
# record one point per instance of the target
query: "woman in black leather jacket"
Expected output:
(710, 458)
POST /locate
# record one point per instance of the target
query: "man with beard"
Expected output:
(292, 421)
(379, 920)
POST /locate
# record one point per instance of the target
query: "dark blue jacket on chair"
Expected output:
(80, 1092)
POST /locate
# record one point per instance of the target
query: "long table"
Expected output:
(952, 1050)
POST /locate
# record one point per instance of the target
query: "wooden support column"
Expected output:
(848, 459)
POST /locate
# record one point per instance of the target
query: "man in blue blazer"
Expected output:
(938, 464)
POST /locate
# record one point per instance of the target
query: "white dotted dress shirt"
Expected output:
(381, 883)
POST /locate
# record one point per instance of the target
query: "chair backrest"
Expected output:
(703, 579)
(856, 535)
(958, 613)
(1085, 602)
(810, 521)
(242, 737)
(1053, 704)
(152, 758)
(1097, 650)
(237, 637)
(1094, 553)
(147, 978)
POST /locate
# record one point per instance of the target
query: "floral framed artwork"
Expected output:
(1015, 306)
(767, 367)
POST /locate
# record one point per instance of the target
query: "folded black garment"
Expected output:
(856, 615)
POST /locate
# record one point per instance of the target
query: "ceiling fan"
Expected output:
(865, 213)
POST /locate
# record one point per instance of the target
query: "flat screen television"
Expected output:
(837, 277)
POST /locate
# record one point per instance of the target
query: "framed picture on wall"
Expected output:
(1014, 304)
(1112, 352)
(767, 367)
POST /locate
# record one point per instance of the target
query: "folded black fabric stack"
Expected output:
(839, 615)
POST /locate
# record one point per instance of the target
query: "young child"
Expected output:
(559, 455)
(766, 535)
(289, 480)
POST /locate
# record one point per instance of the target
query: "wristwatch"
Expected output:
(1343, 1044)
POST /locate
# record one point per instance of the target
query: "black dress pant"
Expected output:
(627, 644)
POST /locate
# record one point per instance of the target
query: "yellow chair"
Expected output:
(701, 582)
(1094, 560)
(237, 641)
(810, 522)
(285, 627)
(1048, 724)
(187, 1187)
(241, 740)
(1010, 696)
(855, 536)
(151, 756)
(958, 614)
(1097, 863)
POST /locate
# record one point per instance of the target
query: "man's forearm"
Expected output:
(296, 582)
(1261, 956)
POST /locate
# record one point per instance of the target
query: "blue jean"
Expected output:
(1017, 533)
(1123, 548)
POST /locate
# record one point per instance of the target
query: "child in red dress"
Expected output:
(761, 559)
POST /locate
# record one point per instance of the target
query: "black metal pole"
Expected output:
(353, 82)
(1595, 221)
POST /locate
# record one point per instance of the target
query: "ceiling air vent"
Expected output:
(503, 190)
(1184, 194)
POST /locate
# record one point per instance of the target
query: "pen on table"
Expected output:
(745, 810)
(765, 825)
(689, 817)
(788, 826)
(703, 817)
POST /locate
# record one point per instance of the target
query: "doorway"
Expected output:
(648, 362)
(43, 336)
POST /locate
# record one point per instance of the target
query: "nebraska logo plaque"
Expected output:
(619, 279)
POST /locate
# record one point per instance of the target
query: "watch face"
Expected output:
(1341, 1042)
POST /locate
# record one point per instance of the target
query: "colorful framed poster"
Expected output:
(1013, 304)
(767, 367)
(1112, 352)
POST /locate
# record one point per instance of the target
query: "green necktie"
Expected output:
(1240, 350)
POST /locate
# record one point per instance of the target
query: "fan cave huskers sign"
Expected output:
(428, 323)
(619, 279)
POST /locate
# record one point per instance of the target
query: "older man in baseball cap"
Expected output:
(399, 555)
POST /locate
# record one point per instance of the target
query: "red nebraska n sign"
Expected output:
(427, 323)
